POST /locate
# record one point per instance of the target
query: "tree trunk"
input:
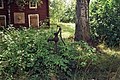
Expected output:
(82, 21)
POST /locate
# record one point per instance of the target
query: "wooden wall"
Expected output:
(4, 11)
(42, 11)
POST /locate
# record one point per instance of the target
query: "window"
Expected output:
(32, 5)
(2, 20)
(19, 18)
(1, 4)
(33, 20)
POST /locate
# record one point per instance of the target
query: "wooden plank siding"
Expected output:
(42, 11)
(4, 11)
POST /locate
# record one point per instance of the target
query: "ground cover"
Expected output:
(26, 55)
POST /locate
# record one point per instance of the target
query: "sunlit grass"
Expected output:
(108, 50)
(67, 29)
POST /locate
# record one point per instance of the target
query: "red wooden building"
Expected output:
(30, 15)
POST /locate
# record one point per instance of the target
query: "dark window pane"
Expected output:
(1, 3)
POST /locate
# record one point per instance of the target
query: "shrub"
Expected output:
(26, 54)
(105, 23)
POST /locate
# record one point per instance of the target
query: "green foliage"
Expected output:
(105, 21)
(57, 9)
(61, 11)
(26, 54)
(21, 3)
(69, 14)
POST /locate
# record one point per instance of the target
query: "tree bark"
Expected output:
(82, 31)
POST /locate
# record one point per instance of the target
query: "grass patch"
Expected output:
(68, 29)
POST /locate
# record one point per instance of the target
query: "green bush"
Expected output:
(26, 54)
(105, 21)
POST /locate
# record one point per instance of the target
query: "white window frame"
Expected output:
(30, 5)
(2, 7)
(33, 15)
(4, 17)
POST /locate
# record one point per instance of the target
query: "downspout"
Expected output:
(48, 16)
(9, 16)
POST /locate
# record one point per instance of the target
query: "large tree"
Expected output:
(82, 20)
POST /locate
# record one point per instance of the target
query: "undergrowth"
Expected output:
(26, 55)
